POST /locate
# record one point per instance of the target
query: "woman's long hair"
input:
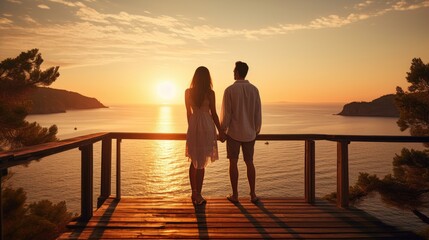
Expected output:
(201, 84)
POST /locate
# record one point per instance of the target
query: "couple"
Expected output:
(240, 122)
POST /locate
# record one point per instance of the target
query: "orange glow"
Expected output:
(166, 91)
(147, 51)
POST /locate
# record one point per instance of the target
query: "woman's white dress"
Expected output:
(201, 138)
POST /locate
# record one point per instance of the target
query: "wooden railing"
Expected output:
(85, 145)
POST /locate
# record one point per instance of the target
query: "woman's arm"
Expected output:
(212, 104)
(188, 104)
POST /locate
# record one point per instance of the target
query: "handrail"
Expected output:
(281, 137)
(21, 156)
(377, 138)
(85, 145)
(24, 155)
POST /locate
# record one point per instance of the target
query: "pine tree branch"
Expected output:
(421, 216)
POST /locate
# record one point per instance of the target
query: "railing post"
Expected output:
(310, 183)
(1, 208)
(106, 171)
(86, 182)
(343, 174)
(118, 168)
(1, 211)
(3, 173)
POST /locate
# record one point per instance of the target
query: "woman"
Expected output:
(201, 139)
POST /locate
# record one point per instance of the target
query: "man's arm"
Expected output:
(258, 114)
(225, 114)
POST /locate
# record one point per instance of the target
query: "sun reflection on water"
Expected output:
(168, 166)
(165, 119)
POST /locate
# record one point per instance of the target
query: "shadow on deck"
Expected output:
(273, 218)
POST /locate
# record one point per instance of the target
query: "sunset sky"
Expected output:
(146, 51)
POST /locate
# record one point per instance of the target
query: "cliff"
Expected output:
(49, 100)
(380, 107)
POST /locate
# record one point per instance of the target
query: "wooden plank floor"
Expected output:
(274, 218)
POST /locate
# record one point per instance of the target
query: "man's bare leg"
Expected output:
(233, 177)
(251, 177)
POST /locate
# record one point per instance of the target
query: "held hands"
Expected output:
(222, 136)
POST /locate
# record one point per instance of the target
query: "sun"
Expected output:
(166, 91)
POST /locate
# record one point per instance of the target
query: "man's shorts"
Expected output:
(233, 149)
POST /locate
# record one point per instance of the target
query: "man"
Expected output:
(241, 119)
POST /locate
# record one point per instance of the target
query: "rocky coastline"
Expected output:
(43, 100)
(381, 107)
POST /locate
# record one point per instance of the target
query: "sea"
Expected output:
(159, 167)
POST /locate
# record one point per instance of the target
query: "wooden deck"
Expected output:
(274, 218)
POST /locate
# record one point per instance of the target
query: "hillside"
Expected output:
(380, 107)
(50, 100)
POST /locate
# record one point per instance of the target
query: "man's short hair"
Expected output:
(241, 68)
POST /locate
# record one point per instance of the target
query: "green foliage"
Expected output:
(409, 186)
(13, 203)
(32, 134)
(18, 76)
(413, 112)
(414, 105)
(412, 168)
(399, 193)
(418, 76)
(39, 220)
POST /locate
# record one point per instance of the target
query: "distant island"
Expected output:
(49, 100)
(380, 107)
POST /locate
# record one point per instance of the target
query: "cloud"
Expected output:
(95, 37)
(15, 1)
(43, 6)
(402, 6)
(91, 15)
(65, 2)
(335, 21)
(363, 4)
(5, 21)
(405, 6)
(28, 19)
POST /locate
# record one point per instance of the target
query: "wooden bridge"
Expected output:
(123, 217)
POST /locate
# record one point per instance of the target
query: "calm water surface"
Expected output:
(159, 168)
